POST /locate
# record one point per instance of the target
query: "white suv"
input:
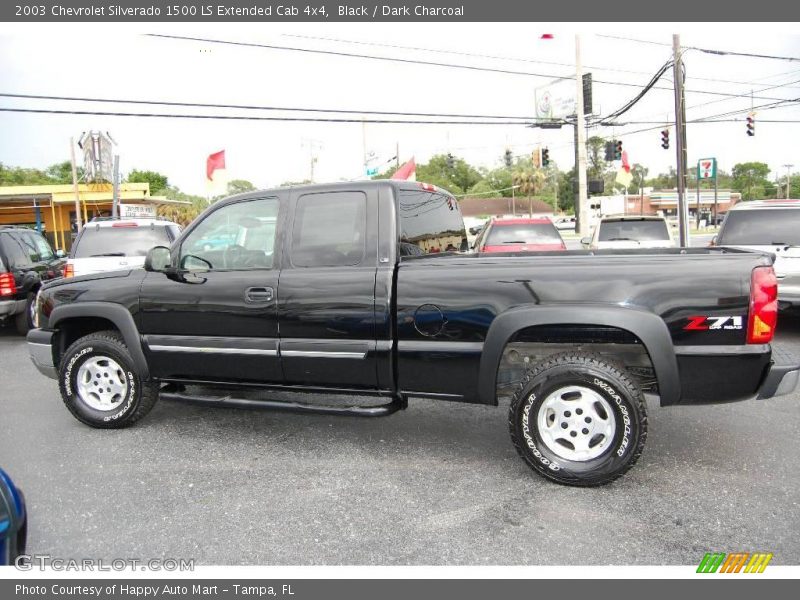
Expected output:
(112, 244)
(768, 226)
(630, 231)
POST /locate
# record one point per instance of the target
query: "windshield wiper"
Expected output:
(620, 240)
(108, 254)
(515, 242)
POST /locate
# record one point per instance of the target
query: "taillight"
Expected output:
(763, 306)
(7, 285)
(124, 224)
(69, 270)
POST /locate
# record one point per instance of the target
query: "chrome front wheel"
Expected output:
(101, 383)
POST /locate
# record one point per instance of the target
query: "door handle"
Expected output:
(258, 294)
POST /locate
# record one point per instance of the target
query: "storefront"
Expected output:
(51, 208)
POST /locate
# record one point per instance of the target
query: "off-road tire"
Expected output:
(600, 375)
(140, 397)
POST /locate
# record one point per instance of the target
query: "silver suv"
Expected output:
(769, 226)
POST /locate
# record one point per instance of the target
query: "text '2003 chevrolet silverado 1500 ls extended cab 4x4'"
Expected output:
(364, 288)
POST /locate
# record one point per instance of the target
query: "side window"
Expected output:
(237, 236)
(329, 229)
(29, 246)
(430, 222)
(17, 258)
(41, 245)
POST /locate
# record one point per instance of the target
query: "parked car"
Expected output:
(326, 302)
(13, 521)
(110, 244)
(565, 223)
(519, 234)
(621, 232)
(768, 226)
(26, 260)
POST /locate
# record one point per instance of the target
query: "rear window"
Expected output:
(430, 222)
(522, 233)
(120, 241)
(640, 231)
(761, 227)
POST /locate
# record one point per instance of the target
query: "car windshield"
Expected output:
(120, 241)
(523, 233)
(761, 227)
(645, 230)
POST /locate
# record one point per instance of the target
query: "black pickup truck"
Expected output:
(367, 289)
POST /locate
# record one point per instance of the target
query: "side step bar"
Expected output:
(381, 410)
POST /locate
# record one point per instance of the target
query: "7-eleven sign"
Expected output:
(707, 168)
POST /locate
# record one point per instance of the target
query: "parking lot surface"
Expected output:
(439, 483)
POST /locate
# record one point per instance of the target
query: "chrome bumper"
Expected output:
(41, 351)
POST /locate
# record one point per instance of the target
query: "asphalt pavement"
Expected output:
(439, 483)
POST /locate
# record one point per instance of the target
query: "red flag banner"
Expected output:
(215, 161)
(407, 172)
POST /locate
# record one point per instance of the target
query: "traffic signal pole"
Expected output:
(580, 145)
(680, 140)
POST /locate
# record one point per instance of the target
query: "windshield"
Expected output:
(640, 231)
(761, 227)
(523, 233)
(120, 241)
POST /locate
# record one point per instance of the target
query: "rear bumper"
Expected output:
(716, 374)
(9, 308)
(40, 347)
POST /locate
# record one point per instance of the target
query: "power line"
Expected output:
(705, 50)
(630, 104)
(255, 107)
(418, 62)
(255, 117)
(495, 57)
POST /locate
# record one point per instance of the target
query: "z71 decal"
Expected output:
(706, 323)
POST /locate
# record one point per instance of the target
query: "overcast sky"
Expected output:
(108, 61)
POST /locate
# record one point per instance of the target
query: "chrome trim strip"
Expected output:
(208, 350)
(722, 350)
(439, 346)
(322, 354)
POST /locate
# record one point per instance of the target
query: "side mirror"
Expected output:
(713, 241)
(158, 259)
(60, 253)
(587, 241)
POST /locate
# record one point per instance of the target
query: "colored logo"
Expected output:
(737, 562)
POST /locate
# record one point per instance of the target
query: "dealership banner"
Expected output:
(614, 11)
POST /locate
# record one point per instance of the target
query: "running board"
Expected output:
(381, 410)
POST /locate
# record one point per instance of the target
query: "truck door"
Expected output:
(220, 323)
(326, 296)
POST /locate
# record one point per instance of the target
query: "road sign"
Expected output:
(707, 168)
(372, 171)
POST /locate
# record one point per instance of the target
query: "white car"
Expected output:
(630, 232)
(768, 226)
(563, 223)
(113, 244)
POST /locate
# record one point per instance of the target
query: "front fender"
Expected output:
(647, 326)
(117, 314)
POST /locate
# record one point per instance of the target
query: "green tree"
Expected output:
(457, 179)
(239, 186)
(158, 182)
(750, 178)
(62, 172)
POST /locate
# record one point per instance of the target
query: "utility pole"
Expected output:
(580, 143)
(680, 140)
(397, 155)
(115, 193)
(788, 181)
(313, 145)
(78, 221)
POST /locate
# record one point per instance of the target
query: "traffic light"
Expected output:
(665, 139)
(451, 161)
(508, 158)
(751, 124)
(545, 157)
(609, 151)
(618, 150)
